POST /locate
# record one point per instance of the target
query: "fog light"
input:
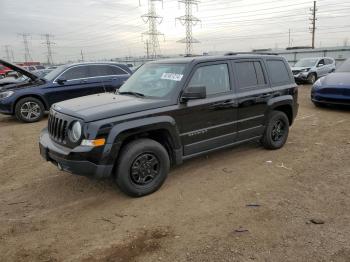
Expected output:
(94, 143)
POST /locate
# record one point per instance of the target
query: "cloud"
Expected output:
(112, 28)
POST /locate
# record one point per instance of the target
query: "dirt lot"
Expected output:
(201, 212)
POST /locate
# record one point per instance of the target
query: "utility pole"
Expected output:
(48, 44)
(289, 38)
(313, 24)
(27, 56)
(188, 20)
(153, 20)
(82, 55)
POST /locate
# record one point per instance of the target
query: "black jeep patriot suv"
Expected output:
(170, 111)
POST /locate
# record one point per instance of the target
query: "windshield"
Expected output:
(309, 62)
(154, 80)
(345, 67)
(54, 73)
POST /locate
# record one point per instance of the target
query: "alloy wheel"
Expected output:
(278, 130)
(30, 111)
(144, 169)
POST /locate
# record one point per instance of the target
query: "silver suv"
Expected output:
(309, 69)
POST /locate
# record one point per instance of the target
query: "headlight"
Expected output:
(6, 94)
(305, 70)
(317, 84)
(75, 131)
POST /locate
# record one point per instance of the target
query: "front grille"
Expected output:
(58, 128)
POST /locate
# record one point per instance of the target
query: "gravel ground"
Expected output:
(240, 204)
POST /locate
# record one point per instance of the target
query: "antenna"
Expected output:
(188, 20)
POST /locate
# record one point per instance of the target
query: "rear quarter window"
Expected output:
(279, 74)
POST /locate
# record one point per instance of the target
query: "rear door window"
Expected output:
(249, 74)
(115, 70)
(105, 70)
(278, 72)
(328, 61)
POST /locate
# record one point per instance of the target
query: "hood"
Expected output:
(106, 105)
(7, 81)
(19, 85)
(299, 68)
(341, 79)
(19, 69)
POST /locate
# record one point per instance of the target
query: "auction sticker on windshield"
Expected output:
(172, 76)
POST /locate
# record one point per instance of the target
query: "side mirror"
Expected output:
(319, 65)
(61, 81)
(194, 92)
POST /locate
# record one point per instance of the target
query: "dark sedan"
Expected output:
(333, 88)
(28, 100)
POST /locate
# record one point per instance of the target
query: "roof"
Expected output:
(198, 59)
(94, 63)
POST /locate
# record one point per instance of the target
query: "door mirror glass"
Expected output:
(194, 92)
(61, 80)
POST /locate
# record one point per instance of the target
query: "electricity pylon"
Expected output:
(188, 20)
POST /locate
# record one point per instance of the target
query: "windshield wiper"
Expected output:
(131, 93)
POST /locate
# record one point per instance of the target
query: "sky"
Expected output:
(106, 29)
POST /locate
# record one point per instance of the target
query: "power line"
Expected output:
(188, 20)
(48, 44)
(153, 20)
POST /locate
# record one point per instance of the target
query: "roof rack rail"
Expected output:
(250, 53)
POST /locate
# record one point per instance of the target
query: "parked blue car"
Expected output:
(333, 88)
(28, 100)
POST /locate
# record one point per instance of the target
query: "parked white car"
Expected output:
(310, 69)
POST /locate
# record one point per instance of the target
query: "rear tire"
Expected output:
(142, 167)
(277, 130)
(311, 78)
(29, 110)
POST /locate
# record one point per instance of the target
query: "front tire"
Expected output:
(29, 110)
(277, 130)
(142, 167)
(311, 78)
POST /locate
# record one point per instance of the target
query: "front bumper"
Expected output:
(5, 107)
(300, 77)
(333, 99)
(71, 160)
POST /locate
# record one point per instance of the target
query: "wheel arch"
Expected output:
(39, 97)
(162, 129)
(283, 104)
(313, 73)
